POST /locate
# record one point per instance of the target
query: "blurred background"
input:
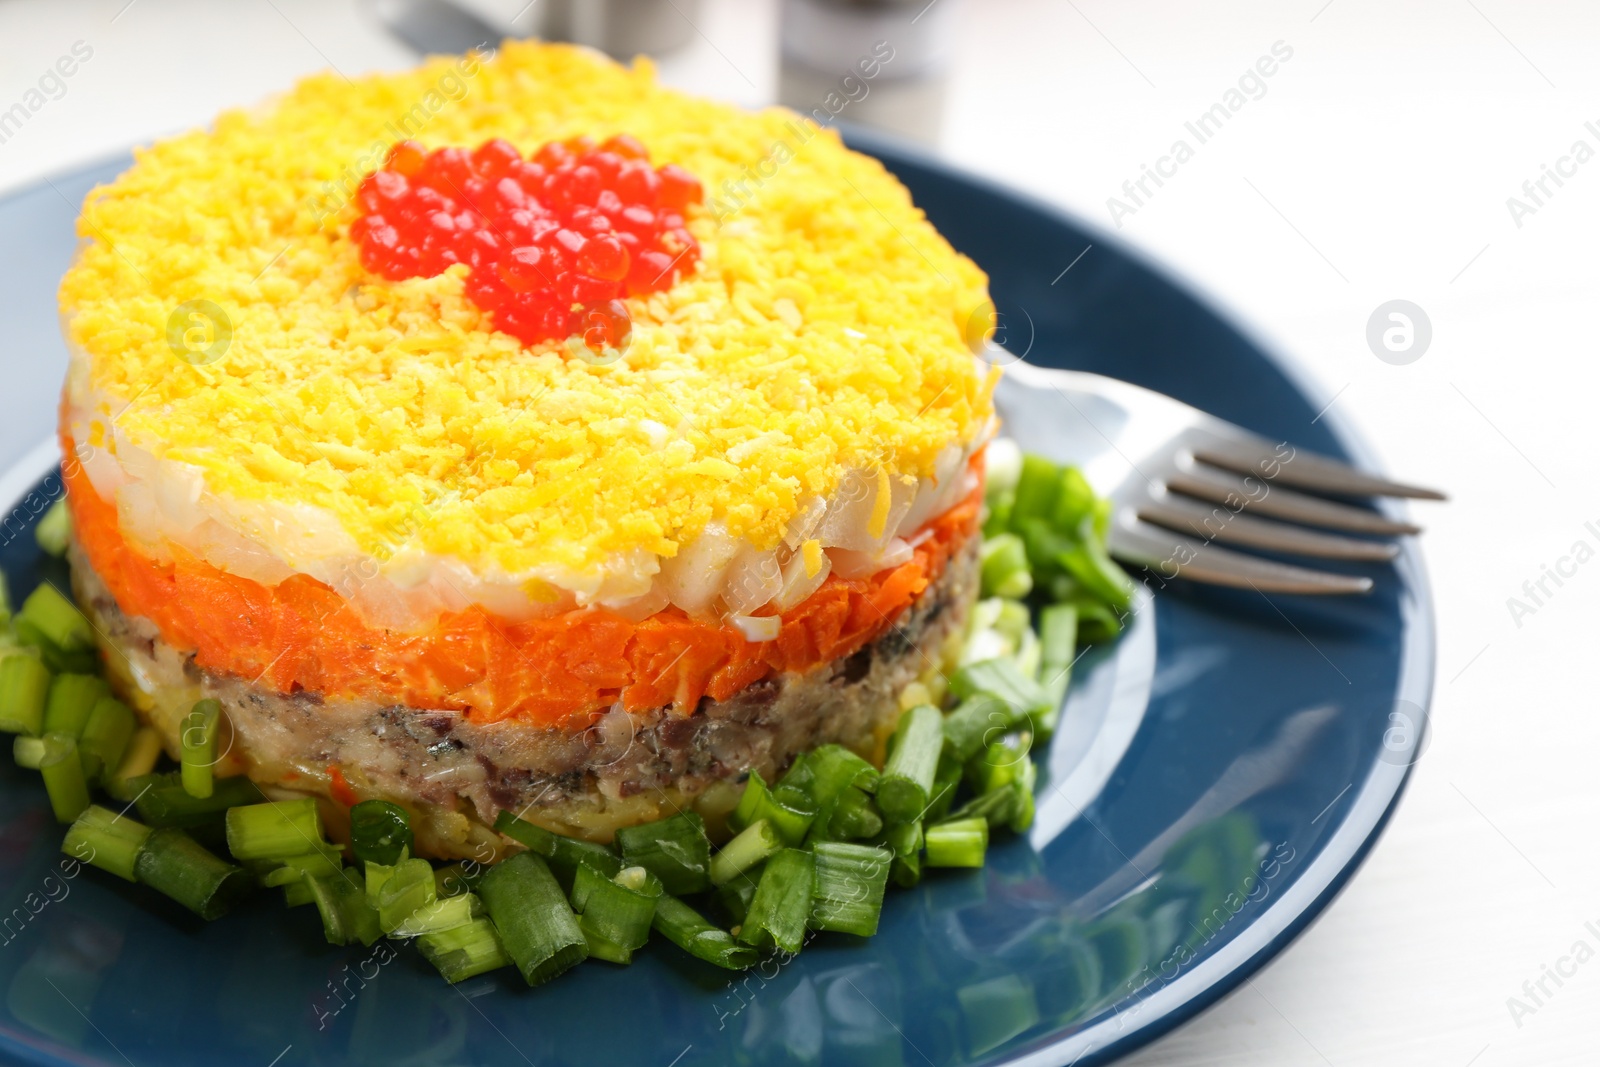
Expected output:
(1384, 158)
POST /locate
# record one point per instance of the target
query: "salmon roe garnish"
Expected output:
(553, 242)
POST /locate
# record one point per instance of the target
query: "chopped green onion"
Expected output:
(957, 844)
(1088, 562)
(441, 915)
(564, 854)
(615, 913)
(782, 904)
(172, 863)
(833, 773)
(997, 519)
(298, 893)
(1075, 500)
(689, 930)
(976, 719)
(850, 880)
(465, 951)
(375, 875)
(983, 640)
(854, 816)
(800, 774)
(987, 644)
(1022, 815)
(601, 949)
(198, 746)
(752, 846)
(138, 760)
(1026, 656)
(788, 808)
(106, 734)
(275, 830)
(321, 864)
(72, 698)
(905, 839)
(54, 529)
(834, 767)
(32, 640)
(24, 690)
(106, 839)
(270, 875)
(997, 808)
(984, 614)
(674, 849)
(1045, 543)
(734, 897)
(409, 887)
(1096, 621)
(1013, 619)
(907, 781)
(163, 801)
(1038, 487)
(5, 599)
(1058, 635)
(1003, 567)
(1001, 678)
(288, 874)
(62, 769)
(1003, 761)
(536, 925)
(454, 879)
(56, 619)
(346, 915)
(1009, 801)
(28, 752)
(380, 832)
(946, 780)
(1058, 650)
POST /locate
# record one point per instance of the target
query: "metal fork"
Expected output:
(1183, 482)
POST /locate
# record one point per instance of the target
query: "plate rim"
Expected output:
(1343, 853)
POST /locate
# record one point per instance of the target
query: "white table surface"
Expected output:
(1377, 166)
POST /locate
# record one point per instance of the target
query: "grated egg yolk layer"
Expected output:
(825, 328)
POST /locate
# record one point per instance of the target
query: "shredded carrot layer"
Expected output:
(301, 635)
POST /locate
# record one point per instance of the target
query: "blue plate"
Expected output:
(1221, 772)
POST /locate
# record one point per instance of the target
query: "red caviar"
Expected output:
(554, 242)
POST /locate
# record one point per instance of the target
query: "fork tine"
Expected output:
(1221, 524)
(1160, 550)
(1222, 487)
(1252, 455)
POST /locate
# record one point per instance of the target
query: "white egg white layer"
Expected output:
(163, 503)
